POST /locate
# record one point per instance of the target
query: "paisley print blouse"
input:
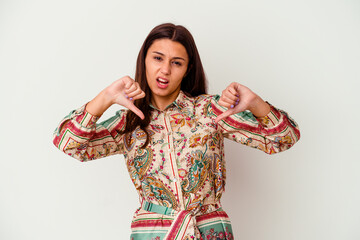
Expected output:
(183, 166)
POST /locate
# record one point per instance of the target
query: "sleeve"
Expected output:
(273, 133)
(79, 136)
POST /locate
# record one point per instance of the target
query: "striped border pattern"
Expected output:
(273, 133)
(76, 129)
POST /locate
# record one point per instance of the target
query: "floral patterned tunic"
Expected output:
(180, 176)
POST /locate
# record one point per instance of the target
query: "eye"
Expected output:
(157, 58)
(177, 63)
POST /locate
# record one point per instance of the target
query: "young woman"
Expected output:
(172, 136)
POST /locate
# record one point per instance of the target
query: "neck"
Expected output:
(161, 102)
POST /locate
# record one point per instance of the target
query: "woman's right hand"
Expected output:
(123, 91)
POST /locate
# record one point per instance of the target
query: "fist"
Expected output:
(236, 98)
(124, 92)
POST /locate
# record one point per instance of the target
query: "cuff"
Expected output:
(272, 119)
(84, 118)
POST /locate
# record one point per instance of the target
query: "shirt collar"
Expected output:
(180, 102)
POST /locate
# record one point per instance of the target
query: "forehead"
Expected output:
(169, 48)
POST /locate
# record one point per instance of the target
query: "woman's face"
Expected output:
(166, 63)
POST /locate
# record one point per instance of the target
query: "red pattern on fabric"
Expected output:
(174, 230)
(259, 129)
(151, 223)
(89, 141)
(77, 131)
(211, 215)
(233, 123)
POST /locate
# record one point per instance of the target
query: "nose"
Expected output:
(165, 68)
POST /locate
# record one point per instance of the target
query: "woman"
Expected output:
(172, 136)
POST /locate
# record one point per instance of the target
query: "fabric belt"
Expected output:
(184, 223)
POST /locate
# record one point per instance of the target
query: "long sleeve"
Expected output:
(79, 136)
(273, 133)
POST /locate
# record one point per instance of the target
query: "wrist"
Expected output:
(260, 108)
(99, 104)
(107, 96)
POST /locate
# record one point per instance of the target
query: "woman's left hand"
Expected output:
(238, 98)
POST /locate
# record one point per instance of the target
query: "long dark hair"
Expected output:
(193, 84)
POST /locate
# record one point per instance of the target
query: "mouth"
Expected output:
(162, 83)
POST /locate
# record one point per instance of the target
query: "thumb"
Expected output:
(238, 108)
(224, 115)
(135, 110)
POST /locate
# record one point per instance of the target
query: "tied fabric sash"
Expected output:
(183, 226)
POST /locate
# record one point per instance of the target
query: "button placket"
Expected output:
(173, 160)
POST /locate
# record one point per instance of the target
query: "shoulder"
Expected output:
(204, 104)
(207, 100)
(204, 98)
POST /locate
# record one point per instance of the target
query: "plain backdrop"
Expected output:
(301, 56)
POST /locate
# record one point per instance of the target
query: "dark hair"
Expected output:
(193, 84)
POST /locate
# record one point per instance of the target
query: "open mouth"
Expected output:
(162, 82)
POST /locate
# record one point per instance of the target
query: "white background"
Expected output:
(301, 56)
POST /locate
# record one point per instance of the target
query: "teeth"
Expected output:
(162, 80)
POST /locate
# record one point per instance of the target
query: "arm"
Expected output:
(271, 131)
(79, 136)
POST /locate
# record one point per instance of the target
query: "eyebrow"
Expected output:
(173, 57)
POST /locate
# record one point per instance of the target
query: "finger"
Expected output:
(133, 90)
(228, 103)
(128, 82)
(137, 94)
(224, 115)
(228, 100)
(130, 89)
(231, 94)
(239, 108)
(233, 91)
(223, 103)
(135, 110)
